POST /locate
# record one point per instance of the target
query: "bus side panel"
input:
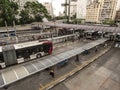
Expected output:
(9, 56)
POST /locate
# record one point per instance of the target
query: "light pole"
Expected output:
(67, 10)
(15, 31)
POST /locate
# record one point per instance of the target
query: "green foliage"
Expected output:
(60, 17)
(33, 11)
(109, 22)
(8, 13)
(77, 21)
(74, 16)
(25, 18)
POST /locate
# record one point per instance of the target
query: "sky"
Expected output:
(56, 5)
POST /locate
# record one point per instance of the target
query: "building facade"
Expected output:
(81, 8)
(49, 8)
(117, 18)
(73, 7)
(99, 11)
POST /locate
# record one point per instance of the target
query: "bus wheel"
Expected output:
(38, 55)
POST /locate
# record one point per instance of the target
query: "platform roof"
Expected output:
(87, 27)
(11, 75)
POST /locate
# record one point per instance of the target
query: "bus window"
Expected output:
(1, 57)
(19, 53)
(47, 48)
(26, 53)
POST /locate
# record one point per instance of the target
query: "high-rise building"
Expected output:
(100, 10)
(49, 8)
(117, 18)
(81, 8)
(70, 7)
(73, 7)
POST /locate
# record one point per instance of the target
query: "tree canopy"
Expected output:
(8, 13)
(33, 11)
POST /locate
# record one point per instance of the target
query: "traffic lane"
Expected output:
(97, 76)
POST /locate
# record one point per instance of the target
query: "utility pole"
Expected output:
(68, 20)
(7, 29)
(67, 10)
(15, 32)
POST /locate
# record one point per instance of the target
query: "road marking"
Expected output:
(3, 78)
(16, 74)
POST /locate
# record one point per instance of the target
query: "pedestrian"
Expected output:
(52, 73)
(96, 49)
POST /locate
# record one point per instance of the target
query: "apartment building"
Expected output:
(81, 8)
(73, 7)
(117, 18)
(99, 11)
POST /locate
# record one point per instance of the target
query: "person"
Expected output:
(96, 49)
(52, 73)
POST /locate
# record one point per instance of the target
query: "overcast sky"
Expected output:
(56, 5)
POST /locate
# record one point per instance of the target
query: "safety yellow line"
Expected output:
(62, 78)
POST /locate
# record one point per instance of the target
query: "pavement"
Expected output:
(103, 74)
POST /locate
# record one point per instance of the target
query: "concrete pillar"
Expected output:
(77, 57)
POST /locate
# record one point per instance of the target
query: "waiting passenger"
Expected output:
(96, 49)
(52, 73)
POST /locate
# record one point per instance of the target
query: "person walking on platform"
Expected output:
(52, 73)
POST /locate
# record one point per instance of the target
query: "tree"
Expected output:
(33, 11)
(25, 18)
(109, 22)
(8, 13)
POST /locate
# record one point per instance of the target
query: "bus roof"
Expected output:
(6, 31)
(27, 44)
(0, 49)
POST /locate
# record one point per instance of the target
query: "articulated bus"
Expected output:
(18, 53)
(117, 37)
(91, 34)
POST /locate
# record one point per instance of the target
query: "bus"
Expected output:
(91, 34)
(7, 33)
(19, 53)
(117, 37)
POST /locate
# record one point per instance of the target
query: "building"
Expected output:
(118, 5)
(49, 8)
(61, 14)
(99, 11)
(70, 7)
(81, 8)
(117, 18)
(73, 7)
